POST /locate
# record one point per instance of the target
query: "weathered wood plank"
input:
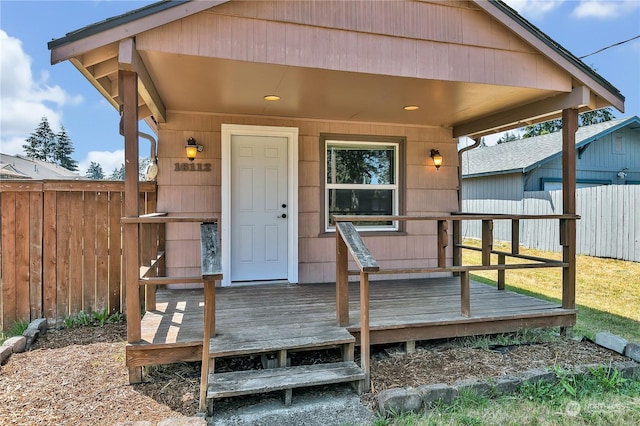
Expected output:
(115, 253)
(62, 246)
(102, 251)
(257, 381)
(75, 252)
(211, 262)
(342, 281)
(270, 339)
(89, 254)
(357, 247)
(49, 259)
(161, 218)
(454, 216)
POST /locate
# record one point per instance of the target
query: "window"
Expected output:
(361, 178)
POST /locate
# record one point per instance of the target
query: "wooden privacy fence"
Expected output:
(61, 247)
(609, 224)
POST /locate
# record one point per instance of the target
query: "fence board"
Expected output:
(8, 300)
(89, 252)
(35, 253)
(115, 252)
(22, 256)
(75, 251)
(49, 257)
(102, 251)
(63, 253)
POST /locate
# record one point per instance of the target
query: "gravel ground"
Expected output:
(78, 376)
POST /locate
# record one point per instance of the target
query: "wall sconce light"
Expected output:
(437, 158)
(192, 148)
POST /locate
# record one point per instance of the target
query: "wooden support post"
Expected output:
(342, 282)
(465, 297)
(128, 92)
(501, 272)
(410, 346)
(515, 236)
(209, 331)
(443, 242)
(569, 128)
(487, 241)
(365, 342)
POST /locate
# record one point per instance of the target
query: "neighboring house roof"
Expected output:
(525, 154)
(20, 167)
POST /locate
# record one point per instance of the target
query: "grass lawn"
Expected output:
(607, 290)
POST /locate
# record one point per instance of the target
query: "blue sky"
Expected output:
(31, 87)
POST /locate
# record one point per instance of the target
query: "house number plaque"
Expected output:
(192, 167)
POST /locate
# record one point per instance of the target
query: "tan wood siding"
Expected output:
(199, 193)
(409, 39)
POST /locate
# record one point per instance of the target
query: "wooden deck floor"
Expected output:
(399, 311)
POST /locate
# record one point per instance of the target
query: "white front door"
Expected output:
(259, 208)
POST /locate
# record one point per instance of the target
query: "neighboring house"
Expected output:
(505, 178)
(20, 167)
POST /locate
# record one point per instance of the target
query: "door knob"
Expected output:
(284, 215)
(284, 206)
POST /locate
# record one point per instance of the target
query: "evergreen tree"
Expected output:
(508, 137)
(117, 173)
(62, 151)
(586, 118)
(94, 171)
(41, 143)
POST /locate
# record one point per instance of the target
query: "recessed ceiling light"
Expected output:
(272, 98)
(411, 107)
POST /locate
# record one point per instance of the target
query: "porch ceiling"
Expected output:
(197, 84)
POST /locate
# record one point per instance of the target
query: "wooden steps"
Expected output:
(276, 379)
(281, 341)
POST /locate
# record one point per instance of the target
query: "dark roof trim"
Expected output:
(115, 21)
(556, 46)
(584, 142)
(487, 174)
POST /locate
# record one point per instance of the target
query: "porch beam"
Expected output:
(569, 128)
(130, 60)
(542, 110)
(128, 92)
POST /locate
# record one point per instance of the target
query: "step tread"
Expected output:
(270, 339)
(258, 381)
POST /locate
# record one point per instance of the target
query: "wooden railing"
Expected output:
(349, 241)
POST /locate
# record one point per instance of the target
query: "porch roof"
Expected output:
(337, 68)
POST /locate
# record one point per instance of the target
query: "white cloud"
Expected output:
(23, 99)
(604, 9)
(108, 160)
(534, 9)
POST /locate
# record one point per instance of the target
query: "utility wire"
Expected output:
(610, 46)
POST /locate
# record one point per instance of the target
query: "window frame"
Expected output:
(397, 188)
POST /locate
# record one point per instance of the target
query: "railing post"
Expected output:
(365, 342)
(342, 281)
(515, 236)
(443, 242)
(457, 241)
(487, 241)
(465, 295)
(501, 272)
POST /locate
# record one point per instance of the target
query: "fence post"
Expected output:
(365, 342)
(569, 128)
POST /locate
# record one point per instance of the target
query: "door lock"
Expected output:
(284, 215)
(284, 206)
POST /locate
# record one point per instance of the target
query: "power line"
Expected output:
(610, 46)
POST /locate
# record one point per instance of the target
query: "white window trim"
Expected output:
(395, 188)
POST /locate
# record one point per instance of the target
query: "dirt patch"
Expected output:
(78, 376)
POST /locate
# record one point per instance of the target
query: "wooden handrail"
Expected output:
(453, 217)
(153, 218)
(366, 262)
